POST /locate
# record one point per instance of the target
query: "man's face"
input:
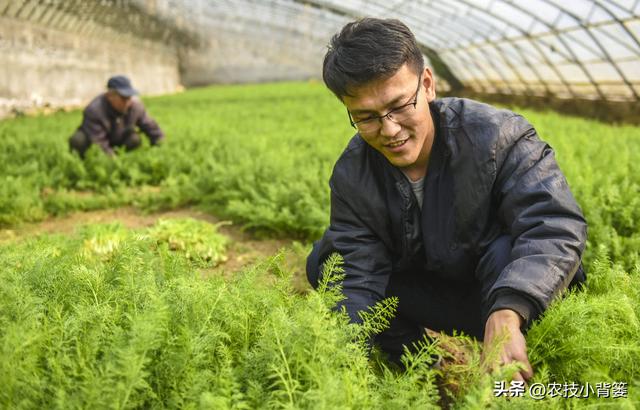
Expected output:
(407, 142)
(118, 102)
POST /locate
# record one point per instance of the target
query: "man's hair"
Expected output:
(366, 50)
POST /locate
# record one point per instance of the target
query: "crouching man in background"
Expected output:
(110, 120)
(455, 207)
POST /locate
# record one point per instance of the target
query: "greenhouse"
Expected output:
(546, 51)
(189, 216)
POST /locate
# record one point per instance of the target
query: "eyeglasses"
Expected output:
(402, 113)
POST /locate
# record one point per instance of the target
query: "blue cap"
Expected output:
(122, 85)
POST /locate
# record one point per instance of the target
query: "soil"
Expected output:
(244, 249)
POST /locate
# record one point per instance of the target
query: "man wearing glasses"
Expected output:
(455, 207)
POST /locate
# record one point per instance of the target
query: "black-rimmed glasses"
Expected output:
(397, 115)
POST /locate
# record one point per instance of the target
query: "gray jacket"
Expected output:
(108, 128)
(488, 175)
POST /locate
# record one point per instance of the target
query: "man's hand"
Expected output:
(505, 324)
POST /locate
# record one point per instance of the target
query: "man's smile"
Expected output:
(396, 145)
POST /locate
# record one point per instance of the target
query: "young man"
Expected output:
(455, 207)
(110, 120)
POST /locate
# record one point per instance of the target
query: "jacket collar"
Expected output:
(438, 149)
(111, 112)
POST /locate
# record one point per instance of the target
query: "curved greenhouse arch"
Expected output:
(584, 57)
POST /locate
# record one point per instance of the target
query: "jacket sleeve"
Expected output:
(367, 263)
(546, 224)
(95, 130)
(149, 126)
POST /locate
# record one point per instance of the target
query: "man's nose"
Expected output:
(389, 128)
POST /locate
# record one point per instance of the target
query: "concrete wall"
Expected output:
(44, 62)
(57, 53)
(236, 58)
(239, 52)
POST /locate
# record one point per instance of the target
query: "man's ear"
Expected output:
(429, 83)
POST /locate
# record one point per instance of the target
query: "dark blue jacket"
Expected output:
(489, 174)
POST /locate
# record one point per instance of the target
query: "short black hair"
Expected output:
(369, 49)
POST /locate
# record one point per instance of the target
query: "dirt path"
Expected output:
(244, 249)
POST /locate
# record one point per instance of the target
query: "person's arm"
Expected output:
(548, 232)
(544, 220)
(367, 263)
(148, 125)
(93, 127)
